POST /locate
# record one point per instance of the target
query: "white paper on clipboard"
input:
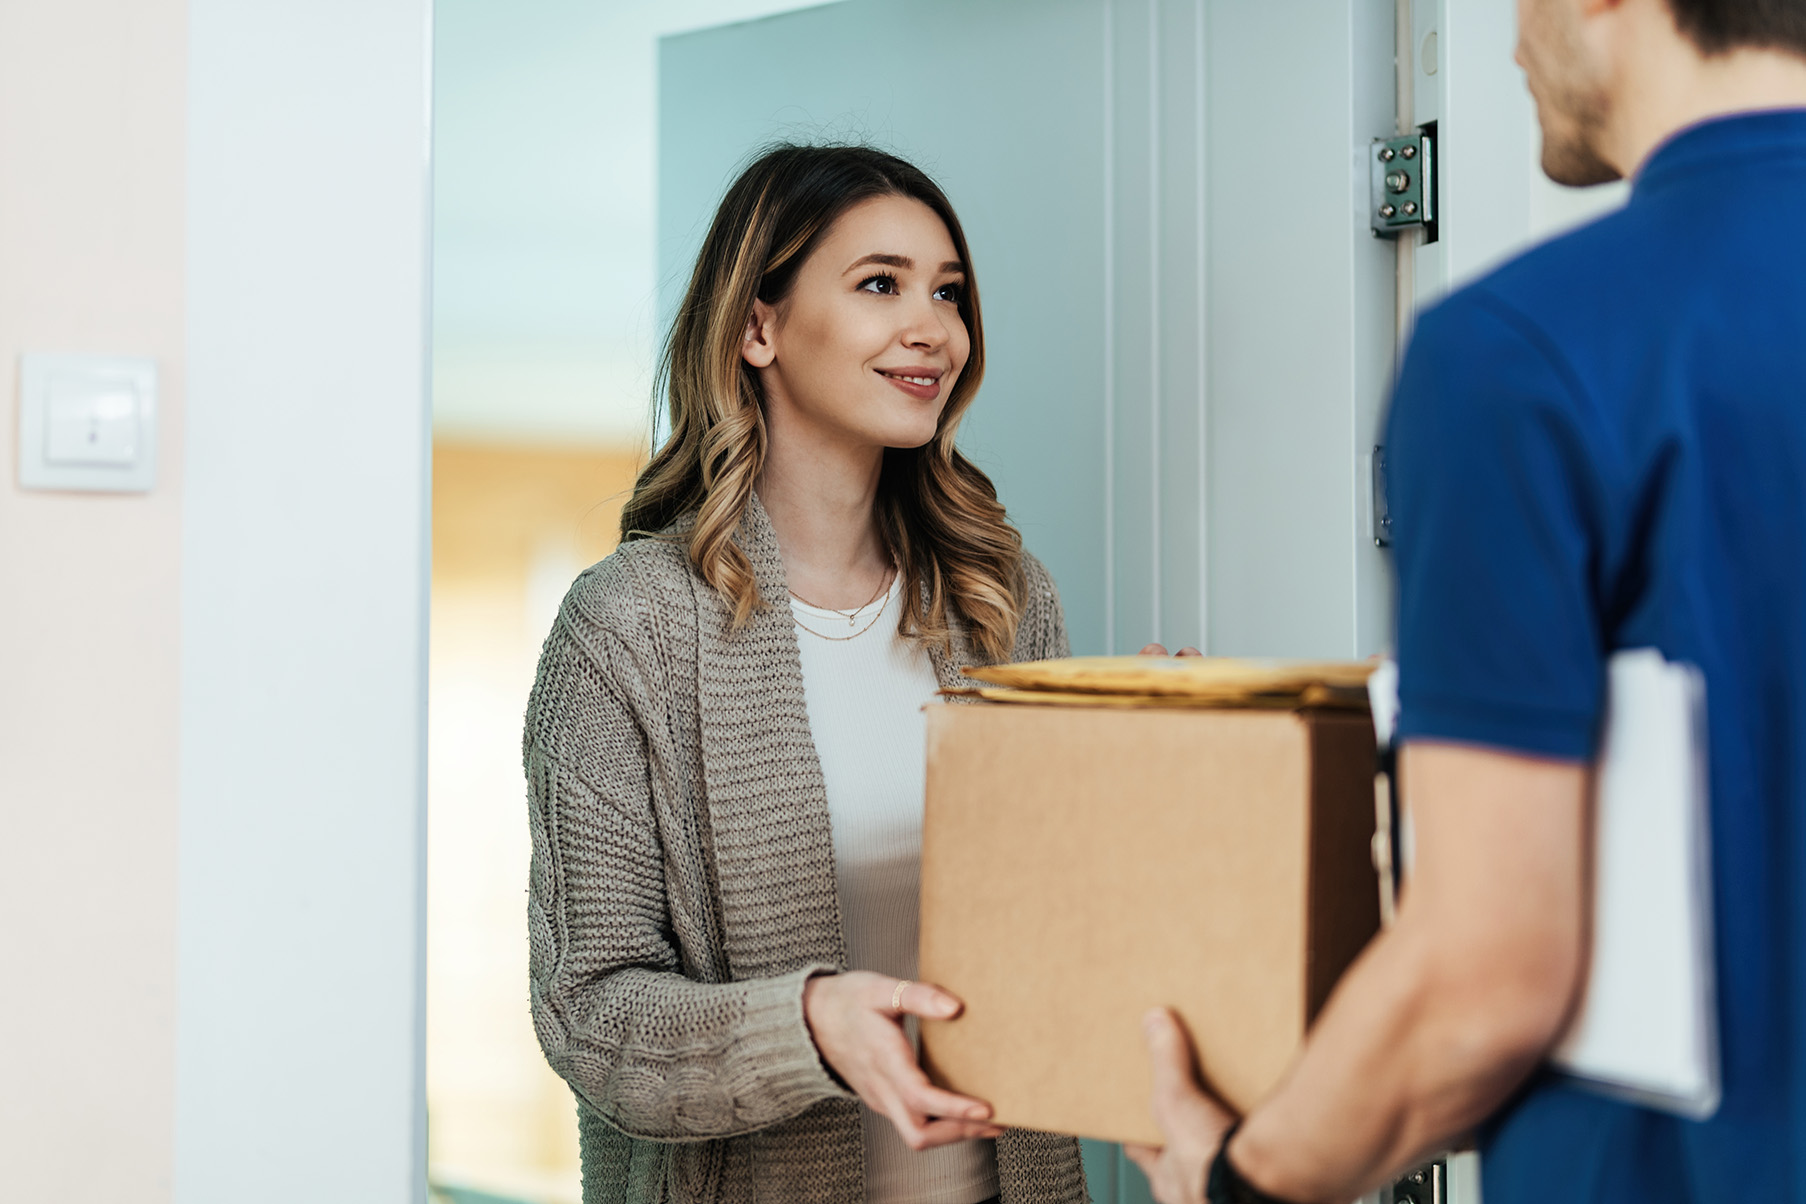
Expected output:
(1647, 1027)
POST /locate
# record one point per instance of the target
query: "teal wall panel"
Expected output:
(1100, 1170)
(1007, 116)
(1112, 1178)
(1154, 161)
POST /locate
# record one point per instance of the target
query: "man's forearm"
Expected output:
(1395, 1066)
(1448, 1010)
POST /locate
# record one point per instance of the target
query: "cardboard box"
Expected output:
(1080, 865)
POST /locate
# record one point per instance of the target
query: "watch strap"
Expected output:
(1225, 1184)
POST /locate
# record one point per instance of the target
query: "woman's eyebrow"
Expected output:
(899, 261)
(889, 261)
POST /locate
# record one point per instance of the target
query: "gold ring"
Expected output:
(896, 996)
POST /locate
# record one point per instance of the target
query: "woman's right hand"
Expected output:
(860, 1035)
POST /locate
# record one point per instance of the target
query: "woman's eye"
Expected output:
(885, 284)
(950, 292)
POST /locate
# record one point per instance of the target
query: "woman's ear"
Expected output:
(759, 346)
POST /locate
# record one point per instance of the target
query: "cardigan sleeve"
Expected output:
(1042, 632)
(659, 1055)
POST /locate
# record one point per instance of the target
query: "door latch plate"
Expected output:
(1382, 505)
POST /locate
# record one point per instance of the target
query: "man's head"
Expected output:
(1579, 57)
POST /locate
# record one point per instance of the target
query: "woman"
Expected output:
(724, 745)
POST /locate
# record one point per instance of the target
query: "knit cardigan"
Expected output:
(682, 890)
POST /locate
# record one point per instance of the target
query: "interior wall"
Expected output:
(304, 582)
(92, 151)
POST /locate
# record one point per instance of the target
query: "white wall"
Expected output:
(211, 695)
(304, 590)
(91, 230)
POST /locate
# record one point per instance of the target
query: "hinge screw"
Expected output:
(1410, 152)
(1386, 155)
(1387, 211)
(1410, 208)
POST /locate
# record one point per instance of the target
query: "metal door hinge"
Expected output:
(1402, 175)
(1427, 1184)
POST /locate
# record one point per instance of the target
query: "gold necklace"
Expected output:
(841, 639)
(852, 616)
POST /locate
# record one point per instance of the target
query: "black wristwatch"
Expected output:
(1225, 1184)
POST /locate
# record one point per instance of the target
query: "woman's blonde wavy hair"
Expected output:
(954, 547)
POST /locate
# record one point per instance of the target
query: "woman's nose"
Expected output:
(927, 327)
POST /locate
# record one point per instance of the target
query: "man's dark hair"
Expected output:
(1716, 26)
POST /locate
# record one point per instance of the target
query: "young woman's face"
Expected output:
(867, 346)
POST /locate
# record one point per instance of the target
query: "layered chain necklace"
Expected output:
(851, 616)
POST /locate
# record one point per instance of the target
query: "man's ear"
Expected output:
(759, 343)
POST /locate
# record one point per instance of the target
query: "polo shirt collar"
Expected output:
(1726, 142)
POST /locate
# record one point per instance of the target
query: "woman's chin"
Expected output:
(910, 441)
(910, 430)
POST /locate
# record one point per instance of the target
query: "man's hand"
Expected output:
(1192, 1122)
(1445, 1013)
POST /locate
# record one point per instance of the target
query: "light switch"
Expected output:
(87, 423)
(91, 423)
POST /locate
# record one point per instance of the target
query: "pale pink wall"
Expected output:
(92, 117)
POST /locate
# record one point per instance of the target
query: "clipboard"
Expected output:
(1647, 1027)
(1646, 1030)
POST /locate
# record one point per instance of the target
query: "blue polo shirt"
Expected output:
(1600, 446)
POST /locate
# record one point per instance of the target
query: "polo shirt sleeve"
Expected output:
(1495, 519)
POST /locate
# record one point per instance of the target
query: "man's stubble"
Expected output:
(1572, 105)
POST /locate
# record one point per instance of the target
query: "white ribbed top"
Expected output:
(865, 698)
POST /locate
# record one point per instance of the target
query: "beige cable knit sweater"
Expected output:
(682, 890)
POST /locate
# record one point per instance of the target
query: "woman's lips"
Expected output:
(922, 392)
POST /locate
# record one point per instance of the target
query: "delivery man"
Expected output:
(1600, 446)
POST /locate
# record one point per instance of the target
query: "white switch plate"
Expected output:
(88, 423)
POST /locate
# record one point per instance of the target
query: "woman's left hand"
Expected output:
(1160, 650)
